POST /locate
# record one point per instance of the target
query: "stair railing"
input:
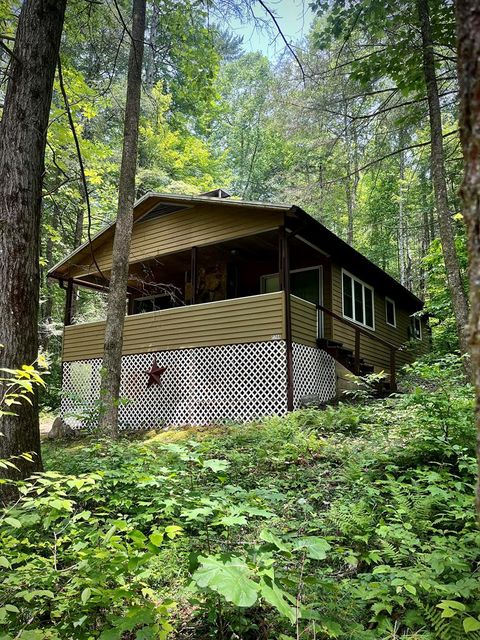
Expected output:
(358, 333)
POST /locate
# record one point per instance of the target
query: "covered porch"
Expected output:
(273, 261)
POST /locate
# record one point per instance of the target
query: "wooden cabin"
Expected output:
(243, 309)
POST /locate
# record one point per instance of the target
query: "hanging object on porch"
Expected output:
(155, 373)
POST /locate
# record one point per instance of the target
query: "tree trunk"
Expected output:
(47, 310)
(454, 277)
(112, 356)
(468, 44)
(23, 130)
(77, 241)
(402, 235)
(351, 184)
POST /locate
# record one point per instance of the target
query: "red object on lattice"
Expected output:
(155, 373)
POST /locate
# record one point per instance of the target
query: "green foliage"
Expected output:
(356, 522)
(17, 387)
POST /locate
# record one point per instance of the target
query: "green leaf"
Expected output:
(13, 522)
(173, 530)
(451, 604)
(471, 624)
(316, 548)
(4, 562)
(275, 596)
(12, 608)
(156, 538)
(271, 538)
(231, 579)
(232, 521)
(85, 595)
(216, 465)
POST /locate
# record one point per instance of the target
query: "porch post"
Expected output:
(67, 320)
(193, 274)
(284, 273)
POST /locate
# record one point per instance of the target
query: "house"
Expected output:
(235, 310)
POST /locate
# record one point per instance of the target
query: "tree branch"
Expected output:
(282, 35)
(82, 168)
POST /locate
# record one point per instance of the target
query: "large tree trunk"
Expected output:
(468, 43)
(112, 356)
(454, 278)
(22, 150)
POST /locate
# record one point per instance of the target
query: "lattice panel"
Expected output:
(314, 378)
(204, 385)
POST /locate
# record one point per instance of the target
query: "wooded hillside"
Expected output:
(351, 518)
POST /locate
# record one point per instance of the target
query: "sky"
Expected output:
(294, 18)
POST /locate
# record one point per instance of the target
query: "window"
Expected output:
(357, 300)
(390, 314)
(415, 328)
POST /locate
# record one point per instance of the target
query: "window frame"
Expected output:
(412, 328)
(392, 302)
(364, 286)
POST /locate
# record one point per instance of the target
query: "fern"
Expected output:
(447, 628)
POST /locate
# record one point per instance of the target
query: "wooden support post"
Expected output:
(130, 301)
(356, 367)
(68, 303)
(284, 273)
(393, 372)
(193, 274)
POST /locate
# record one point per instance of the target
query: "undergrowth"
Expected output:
(356, 522)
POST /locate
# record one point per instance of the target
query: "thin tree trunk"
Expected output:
(468, 44)
(47, 310)
(112, 356)
(77, 241)
(23, 130)
(454, 277)
(351, 184)
(402, 240)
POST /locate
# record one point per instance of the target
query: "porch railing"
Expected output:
(359, 331)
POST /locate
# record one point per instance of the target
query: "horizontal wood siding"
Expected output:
(199, 226)
(242, 320)
(304, 321)
(372, 351)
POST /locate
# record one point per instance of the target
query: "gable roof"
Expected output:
(299, 222)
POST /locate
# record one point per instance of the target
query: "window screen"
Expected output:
(357, 301)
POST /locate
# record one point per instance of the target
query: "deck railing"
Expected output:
(359, 331)
(234, 321)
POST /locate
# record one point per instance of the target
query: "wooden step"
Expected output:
(325, 342)
(344, 355)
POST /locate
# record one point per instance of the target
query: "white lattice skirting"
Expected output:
(206, 385)
(314, 377)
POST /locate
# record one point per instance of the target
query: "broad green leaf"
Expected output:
(232, 521)
(231, 579)
(315, 548)
(471, 624)
(173, 530)
(275, 596)
(451, 604)
(156, 538)
(271, 538)
(216, 465)
(13, 522)
(85, 595)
